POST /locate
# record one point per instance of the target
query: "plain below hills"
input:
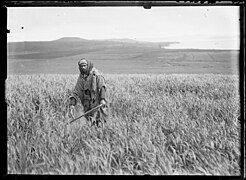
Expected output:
(116, 56)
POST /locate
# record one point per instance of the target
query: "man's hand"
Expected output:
(72, 101)
(72, 109)
(103, 102)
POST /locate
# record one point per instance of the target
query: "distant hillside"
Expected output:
(72, 39)
(120, 40)
(116, 56)
(70, 46)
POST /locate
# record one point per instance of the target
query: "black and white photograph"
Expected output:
(123, 90)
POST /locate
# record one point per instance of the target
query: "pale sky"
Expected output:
(155, 24)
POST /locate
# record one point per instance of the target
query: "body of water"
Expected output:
(227, 44)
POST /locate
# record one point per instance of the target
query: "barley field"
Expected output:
(157, 125)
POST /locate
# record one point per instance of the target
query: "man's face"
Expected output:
(83, 68)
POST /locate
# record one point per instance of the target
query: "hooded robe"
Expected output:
(89, 90)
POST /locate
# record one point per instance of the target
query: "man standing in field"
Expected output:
(90, 89)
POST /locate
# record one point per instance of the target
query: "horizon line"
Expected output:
(141, 39)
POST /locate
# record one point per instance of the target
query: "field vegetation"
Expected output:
(158, 124)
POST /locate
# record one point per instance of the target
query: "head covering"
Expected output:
(89, 65)
(82, 61)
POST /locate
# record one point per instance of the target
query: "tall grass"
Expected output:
(158, 124)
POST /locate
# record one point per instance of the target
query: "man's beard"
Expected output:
(82, 71)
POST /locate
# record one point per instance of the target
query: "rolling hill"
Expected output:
(115, 56)
(70, 46)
